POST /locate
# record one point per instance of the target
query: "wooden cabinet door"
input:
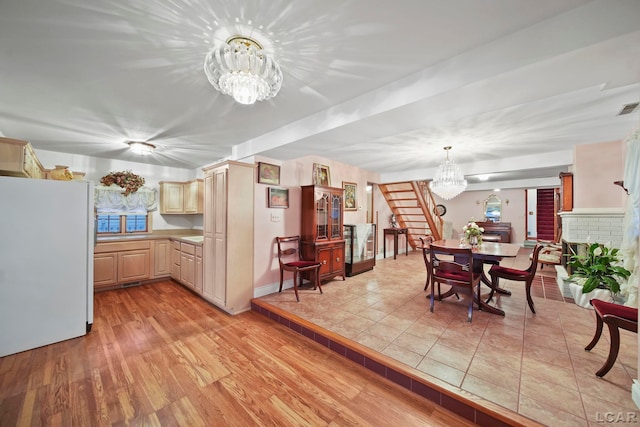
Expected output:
(162, 258)
(175, 261)
(193, 195)
(133, 265)
(337, 259)
(188, 270)
(324, 256)
(171, 197)
(105, 270)
(199, 271)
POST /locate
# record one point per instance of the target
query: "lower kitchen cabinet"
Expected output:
(161, 258)
(118, 263)
(186, 265)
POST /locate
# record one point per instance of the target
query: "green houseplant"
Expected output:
(599, 267)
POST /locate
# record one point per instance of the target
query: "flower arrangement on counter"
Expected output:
(124, 179)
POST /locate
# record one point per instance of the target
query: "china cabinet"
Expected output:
(322, 230)
(360, 244)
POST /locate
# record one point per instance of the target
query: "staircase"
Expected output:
(546, 221)
(413, 205)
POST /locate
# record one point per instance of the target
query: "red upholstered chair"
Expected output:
(454, 267)
(616, 316)
(498, 272)
(290, 259)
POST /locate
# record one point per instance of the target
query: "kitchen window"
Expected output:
(122, 224)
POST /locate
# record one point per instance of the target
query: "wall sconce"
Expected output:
(507, 201)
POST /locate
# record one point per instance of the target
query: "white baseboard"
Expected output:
(271, 288)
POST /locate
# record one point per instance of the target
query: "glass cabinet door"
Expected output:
(348, 238)
(322, 215)
(336, 216)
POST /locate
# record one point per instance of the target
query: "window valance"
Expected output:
(111, 199)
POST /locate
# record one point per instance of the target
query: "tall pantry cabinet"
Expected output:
(228, 235)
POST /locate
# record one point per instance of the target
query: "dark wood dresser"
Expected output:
(501, 229)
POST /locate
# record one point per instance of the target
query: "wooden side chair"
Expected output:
(498, 272)
(454, 267)
(290, 259)
(425, 242)
(616, 317)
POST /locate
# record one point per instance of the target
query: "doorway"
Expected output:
(542, 220)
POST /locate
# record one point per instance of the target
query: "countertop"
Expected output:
(195, 239)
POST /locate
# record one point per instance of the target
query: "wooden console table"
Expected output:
(395, 232)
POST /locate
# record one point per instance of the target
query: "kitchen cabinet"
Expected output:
(322, 230)
(175, 260)
(228, 235)
(119, 263)
(17, 158)
(161, 258)
(186, 265)
(181, 197)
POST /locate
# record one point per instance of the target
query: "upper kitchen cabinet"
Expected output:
(18, 159)
(228, 235)
(182, 197)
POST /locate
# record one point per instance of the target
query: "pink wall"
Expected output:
(271, 222)
(595, 168)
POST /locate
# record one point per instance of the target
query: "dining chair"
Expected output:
(290, 259)
(498, 272)
(616, 317)
(425, 242)
(454, 267)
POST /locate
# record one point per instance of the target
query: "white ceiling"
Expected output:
(512, 85)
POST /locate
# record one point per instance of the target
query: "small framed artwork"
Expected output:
(278, 198)
(268, 174)
(321, 175)
(350, 200)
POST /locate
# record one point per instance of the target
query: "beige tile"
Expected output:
(414, 343)
(548, 415)
(441, 371)
(564, 397)
(403, 355)
(489, 371)
(450, 356)
(491, 392)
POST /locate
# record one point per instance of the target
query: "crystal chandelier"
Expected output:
(142, 148)
(449, 180)
(240, 68)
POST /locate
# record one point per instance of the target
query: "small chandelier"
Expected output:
(142, 148)
(449, 180)
(241, 69)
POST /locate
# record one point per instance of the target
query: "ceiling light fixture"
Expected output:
(449, 180)
(142, 148)
(240, 68)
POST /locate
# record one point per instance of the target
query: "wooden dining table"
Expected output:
(486, 253)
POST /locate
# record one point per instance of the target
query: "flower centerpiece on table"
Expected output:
(473, 233)
(599, 268)
(124, 179)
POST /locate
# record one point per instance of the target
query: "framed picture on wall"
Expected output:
(278, 198)
(350, 199)
(321, 175)
(268, 174)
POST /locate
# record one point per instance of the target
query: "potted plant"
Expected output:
(598, 269)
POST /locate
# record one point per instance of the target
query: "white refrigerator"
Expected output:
(46, 262)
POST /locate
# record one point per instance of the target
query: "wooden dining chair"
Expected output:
(290, 259)
(616, 317)
(498, 272)
(454, 267)
(425, 242)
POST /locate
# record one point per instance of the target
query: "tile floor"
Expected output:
(534, 365)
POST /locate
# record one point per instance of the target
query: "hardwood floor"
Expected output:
(159, 355)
